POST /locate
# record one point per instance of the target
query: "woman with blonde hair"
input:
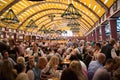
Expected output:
(54, 61)
(77, 68)
(51, 67)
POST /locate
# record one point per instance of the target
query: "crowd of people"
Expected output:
(41, 60)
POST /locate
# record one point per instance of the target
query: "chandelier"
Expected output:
(10, 17)
(31, 24)
(71, 12)
(59, 31)
(43, 29)
(75, 29)
(64, 31)
(46, 31)
(51, 17)
(73, 23)
(51, 31)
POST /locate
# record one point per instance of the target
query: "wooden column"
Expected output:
(113, 29)
(103, 33)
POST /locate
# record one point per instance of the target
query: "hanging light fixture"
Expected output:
(43, 29)
(46, 31)
(64, 31)
(10, 17)
(75, 29)
(52, 31)
(73, 23)
(31, 24)
(51, 16)
(71, 12)
(58, 31)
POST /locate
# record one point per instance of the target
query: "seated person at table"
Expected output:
(77, 68)
(94, 65)
(35, 73)
(68, 74)
(104, 73)
(51, 67)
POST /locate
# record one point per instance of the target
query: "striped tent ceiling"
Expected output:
(25, 10)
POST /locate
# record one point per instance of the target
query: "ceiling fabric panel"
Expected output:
(4, 3)
(25, 14)
(108, 3)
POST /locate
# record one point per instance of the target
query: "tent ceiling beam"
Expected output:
(87, 8)
(102, 4)
(8, 6)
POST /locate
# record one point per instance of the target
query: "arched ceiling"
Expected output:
(90, 10)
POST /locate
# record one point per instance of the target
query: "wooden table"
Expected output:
(53, 78)
(66, 61)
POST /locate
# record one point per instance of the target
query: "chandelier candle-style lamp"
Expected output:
(10, 18)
